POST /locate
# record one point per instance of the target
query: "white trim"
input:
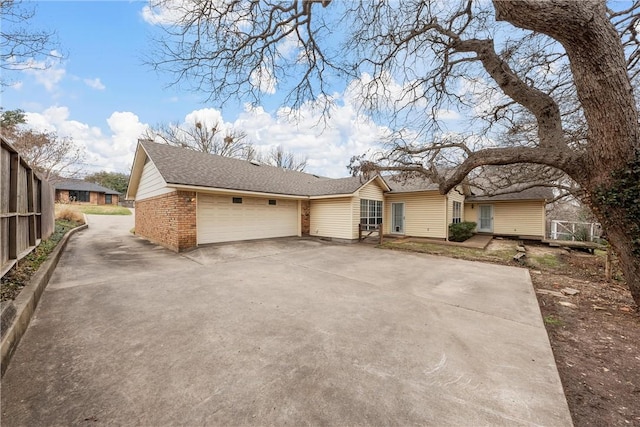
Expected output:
(333, 196)
(213, 190)
(484, 230)
(392, 221)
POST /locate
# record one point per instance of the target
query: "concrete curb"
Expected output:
(27, 301)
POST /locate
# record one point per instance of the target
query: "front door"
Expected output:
(485, 220)
(397, 218)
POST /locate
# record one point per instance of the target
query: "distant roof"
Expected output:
(534, 193)
(188, 167)
(80, 185)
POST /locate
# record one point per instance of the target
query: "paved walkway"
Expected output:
(278, 332)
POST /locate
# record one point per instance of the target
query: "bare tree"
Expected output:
(546, 83)
(199, 136)
(47, 153)
(22, 46)
(280, 158)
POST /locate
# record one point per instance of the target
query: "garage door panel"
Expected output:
(221, 220)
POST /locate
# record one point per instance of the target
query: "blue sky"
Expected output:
(103, 95)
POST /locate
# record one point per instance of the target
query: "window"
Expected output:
(272, 202)
(237, 200)
(78, 196)
(370, 213)
(457, 213)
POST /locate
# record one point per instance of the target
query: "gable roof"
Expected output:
(81, 185)
(410, 184)
(182, 166)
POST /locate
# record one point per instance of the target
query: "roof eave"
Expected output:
(217, 190)
(136, 172)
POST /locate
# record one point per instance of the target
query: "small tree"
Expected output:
(47, 153)
(50, 155)
(200, 136)
(278, 157)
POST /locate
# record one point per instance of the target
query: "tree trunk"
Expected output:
(604, 89)
(622, 241)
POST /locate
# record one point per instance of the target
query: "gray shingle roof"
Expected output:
(410, 184)
(182, 166)
(535, 193)
(188, 167)
(80, 185)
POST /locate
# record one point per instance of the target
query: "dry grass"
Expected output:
(92, 209)
(69, 214)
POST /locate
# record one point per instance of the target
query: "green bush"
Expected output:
(461, 231)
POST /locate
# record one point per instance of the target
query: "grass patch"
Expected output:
(17, 278)
(546, 260)
(452, 251)
(552, 320)
(93, 209)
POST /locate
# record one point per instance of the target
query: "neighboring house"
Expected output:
(186, 198)
(78, 191)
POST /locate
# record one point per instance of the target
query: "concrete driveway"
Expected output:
(296, 332)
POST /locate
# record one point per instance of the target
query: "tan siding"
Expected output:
(355, 217)
(333, 217)
(371, 191)
(454, 196)
(516, 218)
(470, 214)
(424, 214)
(151, 183)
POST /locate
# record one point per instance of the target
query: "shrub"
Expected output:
(70, 215)
(461, 231)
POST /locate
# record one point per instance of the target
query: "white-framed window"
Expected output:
(273, 202)
(457, 213)
(370, 213)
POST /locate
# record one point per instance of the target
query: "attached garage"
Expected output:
(228, 218)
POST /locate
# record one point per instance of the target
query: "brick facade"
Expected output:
(305, 217)
(62, 196)
(169, 220)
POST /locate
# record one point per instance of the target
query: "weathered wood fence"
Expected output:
(26, 208)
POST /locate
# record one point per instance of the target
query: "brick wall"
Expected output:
(306, 217)
(169, 220)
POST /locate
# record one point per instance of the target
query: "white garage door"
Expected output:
(222, 220)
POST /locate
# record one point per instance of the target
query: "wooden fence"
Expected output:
(26, 208)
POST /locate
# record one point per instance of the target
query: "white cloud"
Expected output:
(328, 143)
(112, 151)
(162, 12)
(48, 73)
(384, 93)
(444, 114)
(95, 83)
(16, 85)
(263, 79)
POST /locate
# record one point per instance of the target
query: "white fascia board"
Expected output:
(214, 190)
